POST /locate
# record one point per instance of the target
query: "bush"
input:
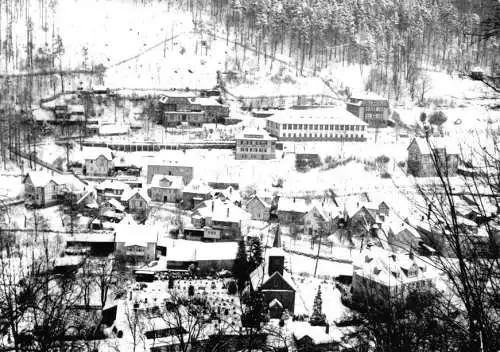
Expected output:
(232, 288)
(385, 175)
(382, 159)
(191, 290)
(402, 164)
(437, 118)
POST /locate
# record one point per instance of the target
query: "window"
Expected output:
(331, 127)
(341, 127)
(310, 127)
(336, 127)
(289, 126)
(284, 126)
(300, 126)
(321, 127)
(352, 127)
(305, 127)
(316, 127)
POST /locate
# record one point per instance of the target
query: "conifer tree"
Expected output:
(317, 317)
(241, 266)
(256, 253)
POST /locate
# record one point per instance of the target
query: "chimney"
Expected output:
(294, 199)
(213, 205)
(227, 211)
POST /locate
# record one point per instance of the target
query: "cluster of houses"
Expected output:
(187, 108)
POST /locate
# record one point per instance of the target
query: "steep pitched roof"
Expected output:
(175, 182)
(132, 192)
(95, 152)
(449, 145)
(220, 210)
(258, 199)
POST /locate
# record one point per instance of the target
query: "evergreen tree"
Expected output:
(317, 317)
(255, 312)
(241, 265)
(256, 253)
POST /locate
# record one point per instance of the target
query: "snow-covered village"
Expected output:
(250, 175)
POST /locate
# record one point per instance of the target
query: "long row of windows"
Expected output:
(315, 135)
(244, 141)
(295, 126)
(254, 150)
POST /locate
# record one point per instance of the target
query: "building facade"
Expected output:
(255, 144)
(42, 189)
(171, 169)
(195, 193)
(136, 201)
(424, 160)
(258, 209)
(384, 277)
(175, 110)
(322, 124)
(98, 162)
(371, 109)
(166, 189)
(275, 283)
(219, 220)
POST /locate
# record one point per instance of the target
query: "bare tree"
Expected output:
(468, 249)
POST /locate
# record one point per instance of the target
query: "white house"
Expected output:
(98, 161)
(382, 276)
(258, 208)
(42, 189)
(136, 200)
(166, 188)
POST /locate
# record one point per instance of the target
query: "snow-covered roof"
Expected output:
(135, 234)
(183, 250)
(167, 181)
(317, 334)
(259, 199)
(390, 268)
(197, 186)
(316, 116)
(253, 134)
(115, 204)
(92, 237)
(219, 210)
(42, 178)
(260, 276)
(208, 101)
(129, 193)
(229, 193)
(367, 96)
(436, 143)
(93, 153)
(112, 184)
(299, 205)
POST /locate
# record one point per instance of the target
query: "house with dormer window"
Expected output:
(382, 276)
(166, 189)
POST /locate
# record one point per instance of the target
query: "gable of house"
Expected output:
(277, 282)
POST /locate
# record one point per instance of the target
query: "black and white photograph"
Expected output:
(249, 175)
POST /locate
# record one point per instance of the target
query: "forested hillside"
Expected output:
(397, 38)
(394, 42)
